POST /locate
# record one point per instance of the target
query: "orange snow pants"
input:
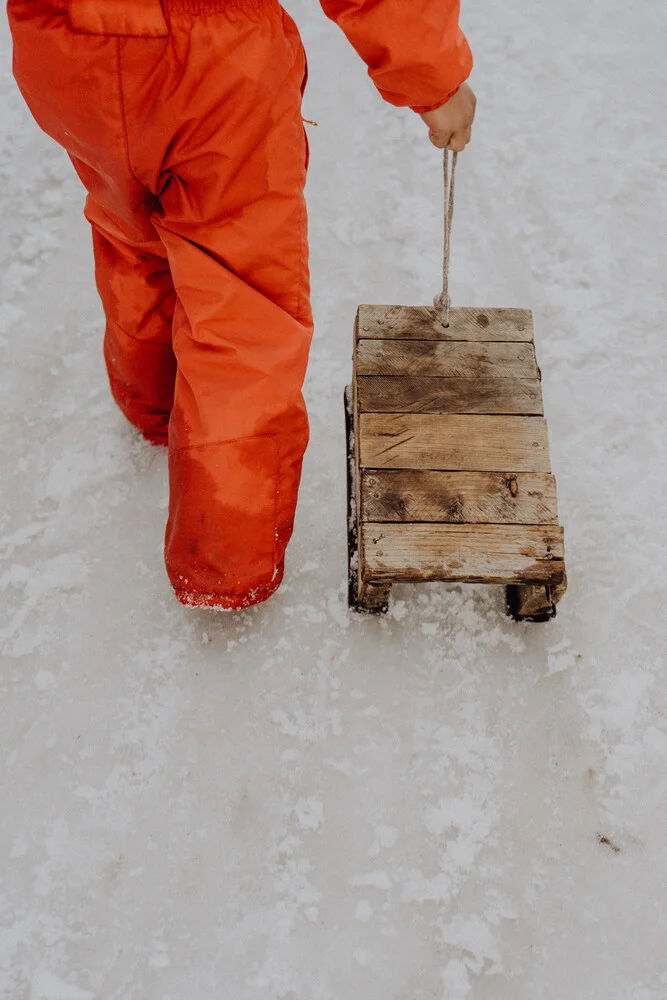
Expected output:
(183, 120)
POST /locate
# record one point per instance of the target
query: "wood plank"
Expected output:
(409, 394)
(485, 553)
(446, 360)
(423, 323)
(354, 444)
(458, 497)
(453, 442)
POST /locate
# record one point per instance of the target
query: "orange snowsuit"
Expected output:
(183, 120)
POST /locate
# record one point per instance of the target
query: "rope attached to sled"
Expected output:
(443, 300)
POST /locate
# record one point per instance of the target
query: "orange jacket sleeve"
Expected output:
(417, 56)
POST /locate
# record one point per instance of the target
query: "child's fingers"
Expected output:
(440, 140)
(456, 141)
(459, 141)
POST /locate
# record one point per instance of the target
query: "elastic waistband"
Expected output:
(193, 8)
(203, 7)
(200, 8)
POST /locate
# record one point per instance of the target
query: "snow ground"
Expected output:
(294, 802)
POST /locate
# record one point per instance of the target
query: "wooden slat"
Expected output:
(458, 497)
(452, 360)
(423, 323)
(486, 553)
(408, 394)
(453, 442)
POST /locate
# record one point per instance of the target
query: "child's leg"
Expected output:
(70, 81)
(134, 283)
(232, 217)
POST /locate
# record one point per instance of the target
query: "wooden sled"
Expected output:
(449, 474)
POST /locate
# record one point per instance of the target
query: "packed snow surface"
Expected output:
(293, 801)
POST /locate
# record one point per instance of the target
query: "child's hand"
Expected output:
(450, 124)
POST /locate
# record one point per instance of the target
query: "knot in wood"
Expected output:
(455, 508)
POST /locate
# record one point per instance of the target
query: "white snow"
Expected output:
(292, 801)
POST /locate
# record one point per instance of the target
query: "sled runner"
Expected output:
(449, 474)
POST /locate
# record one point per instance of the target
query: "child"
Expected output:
(183, 120)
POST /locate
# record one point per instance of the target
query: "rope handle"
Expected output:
(443, 300)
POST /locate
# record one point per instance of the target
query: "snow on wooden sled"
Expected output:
(449, 474)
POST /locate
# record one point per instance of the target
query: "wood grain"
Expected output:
(409, 394)
(491, 553)
(423, 323)
(453, 442)
(458, 497)
(446, 360)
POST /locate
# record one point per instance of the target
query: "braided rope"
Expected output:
(443, 300)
